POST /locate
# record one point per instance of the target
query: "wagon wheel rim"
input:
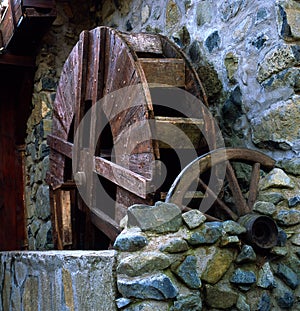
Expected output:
(210, 161)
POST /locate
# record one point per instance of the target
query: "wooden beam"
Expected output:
(119, 175)
(189, 132)
(60, 145)
(122, 177)
(168, 71)
(17, 60)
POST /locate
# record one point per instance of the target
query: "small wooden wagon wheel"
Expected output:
(101, 63)
(214, 201)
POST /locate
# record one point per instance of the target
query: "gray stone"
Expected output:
(189, 302)
(130, 240)
(42, 202)
(175, 245)
(149, 305)
(279, 58)
(279, 251)
(229, 240)
(230, 9)
(265, 208)
(15, 299)
(220, 290)
(243, 277)
(156, 286)
(145, 13)
(213, 41)
(294, 201)
(288, 218)
(146, 262)
(273, 129)
(123, 302)
(265, 277)
(286, 301)
(232, 227)
(272, 197)
(204, 12)
(217, 265)
(20, 273)
(296, 239)
(264, 303)
(193, 218)
(277, 178)
(160, 218)
(173, 15)
(31, 294)
(287, 275)
(208, 233)
(44, 236)
(282, 237)
(241, 304)
(187, 272)
(288, 17)
(247, 254)
(292, 166)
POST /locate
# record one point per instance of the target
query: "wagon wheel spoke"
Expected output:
(220, 203)
(253, 189)
(236, 191)
(206, 166)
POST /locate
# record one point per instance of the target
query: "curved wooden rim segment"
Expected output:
(210, 160)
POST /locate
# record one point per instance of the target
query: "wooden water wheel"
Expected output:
(101, 63)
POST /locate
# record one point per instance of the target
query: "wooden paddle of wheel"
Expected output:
(102, 62)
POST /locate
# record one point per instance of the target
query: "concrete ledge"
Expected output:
(57, 280)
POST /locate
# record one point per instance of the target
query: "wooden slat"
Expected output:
(238, 198)
(253, 189)
(105, 224)
(144, 43)
(122, 177)
(60, 145)
(186, 126)
(169, 71)
(17, 60)
(39, 3)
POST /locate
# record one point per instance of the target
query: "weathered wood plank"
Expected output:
(236, 191)
(144, 43)
(17, 60)
(187, 136)
(253, 189)
(121, 176)
(60, 145)
(168, 71)
(39, 3)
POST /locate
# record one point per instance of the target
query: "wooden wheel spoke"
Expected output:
(221, 204)
(237, 195)
(253, 189)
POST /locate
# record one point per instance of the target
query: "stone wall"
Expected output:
(73, 17)
(245, 52)
(56, 281)
(168, 261)
(173, 261)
